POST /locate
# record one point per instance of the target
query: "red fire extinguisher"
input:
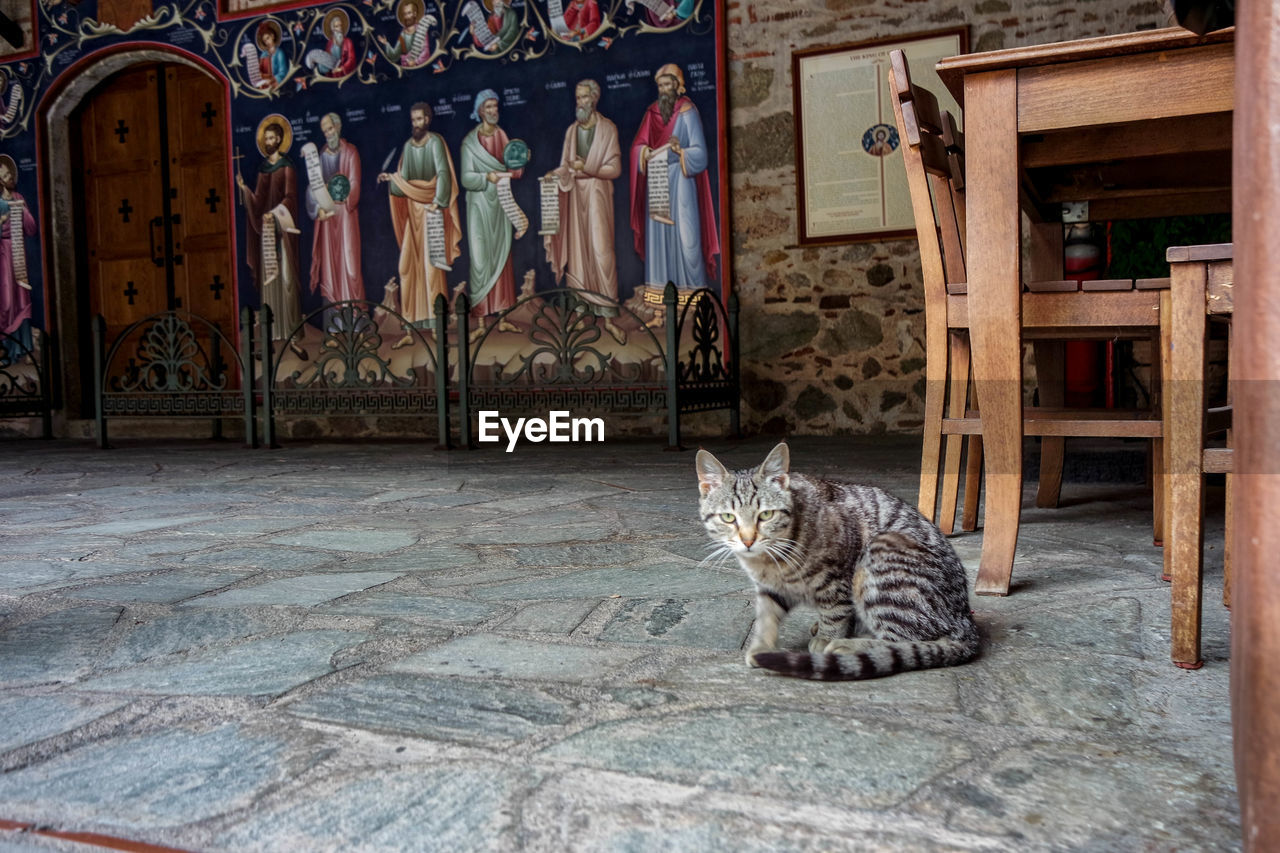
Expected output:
(1088, 362)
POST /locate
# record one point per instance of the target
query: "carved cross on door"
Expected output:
(208, 114)
(131, 292)
(122, 130)
(212, 199)
(217, 286)
(125, 209)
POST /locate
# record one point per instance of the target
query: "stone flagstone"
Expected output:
(716, 623)
(305, 591)
(269, 666)
(28, 719)
(456, 807)
(56, 647)
(437, 708)
(411, 603)
(489, 655)
(163, 779)
(162, 589)
(364, 541)
(769, 752)
(643, 581)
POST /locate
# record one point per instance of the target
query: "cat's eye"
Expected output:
(727, 517)
(766, 514)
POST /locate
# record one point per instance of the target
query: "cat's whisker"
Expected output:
(780, 548)
(768, 551)
(717, 557)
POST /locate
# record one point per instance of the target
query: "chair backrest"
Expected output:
(933, 151)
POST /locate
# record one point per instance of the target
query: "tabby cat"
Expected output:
(869, 563)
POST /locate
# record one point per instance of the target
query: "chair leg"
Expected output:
(1226, 547)
(935, 392)
(1163, 359)
(1051, 365)
(957, 402)
(1159, 344)
(1184, 440)
(972, 484)
(1157, 492)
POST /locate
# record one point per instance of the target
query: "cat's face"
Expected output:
(749, 511)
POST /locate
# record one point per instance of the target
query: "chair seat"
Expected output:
(961, 288)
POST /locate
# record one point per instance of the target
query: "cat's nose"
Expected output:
(748, 536)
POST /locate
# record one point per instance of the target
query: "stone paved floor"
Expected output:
(366, 647)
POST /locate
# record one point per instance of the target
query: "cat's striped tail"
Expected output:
(862, 658)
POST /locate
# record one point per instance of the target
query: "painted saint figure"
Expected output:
(272, 62)
(275, 197)
(582, 17)
(489, 233)
(413, 46)
(684, 252)
(15, 296)
(338, 59)
(335, 252)
(423, 182)
(583, 250)
(677, 12)
(503, 22)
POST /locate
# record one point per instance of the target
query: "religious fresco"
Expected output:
(395, 150)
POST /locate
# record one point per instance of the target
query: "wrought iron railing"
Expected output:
(173, 364)
(356, 358)
(557, 349)
(705, 342)
(25, 389)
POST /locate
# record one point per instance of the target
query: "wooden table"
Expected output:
(1138, 125)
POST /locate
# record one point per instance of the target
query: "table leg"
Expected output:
(995, 313)
(1255, 610)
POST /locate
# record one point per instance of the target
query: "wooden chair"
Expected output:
(1052, 310)
(1201, 292)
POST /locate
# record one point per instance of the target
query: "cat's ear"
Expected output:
(776, 466)
(711, 474)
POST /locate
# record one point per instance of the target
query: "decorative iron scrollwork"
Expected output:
(564, 330)
(22, 386)
(705, 360)
(349, 353)
(169, 358)
(564, 335)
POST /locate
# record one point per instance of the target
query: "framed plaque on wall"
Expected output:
(850, 178)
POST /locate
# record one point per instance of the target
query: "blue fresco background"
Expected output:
(535, 78)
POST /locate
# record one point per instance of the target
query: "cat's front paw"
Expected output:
(818, 645)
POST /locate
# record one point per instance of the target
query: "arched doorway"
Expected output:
(146, 198)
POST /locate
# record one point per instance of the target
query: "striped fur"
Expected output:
(890, 592)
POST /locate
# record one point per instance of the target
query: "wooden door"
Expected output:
(200, 195)
(156, 196)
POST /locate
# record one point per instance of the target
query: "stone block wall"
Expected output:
(833, 337)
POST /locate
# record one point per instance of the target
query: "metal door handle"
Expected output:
(176, 219)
